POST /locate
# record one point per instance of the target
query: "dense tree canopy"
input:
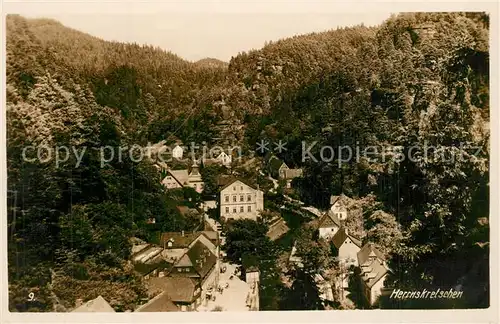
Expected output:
(415, 87)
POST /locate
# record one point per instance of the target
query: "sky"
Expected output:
(198, 33)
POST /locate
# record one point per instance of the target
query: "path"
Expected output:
(233, 298)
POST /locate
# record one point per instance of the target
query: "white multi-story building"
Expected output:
(240, 201)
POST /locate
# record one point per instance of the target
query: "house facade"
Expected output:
(373, 273)
(177, 152)
(339, 206)
(347, 246)
(240, 201)
(328, 225)
(175, 179)
(224, 159)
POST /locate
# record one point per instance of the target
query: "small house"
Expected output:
(328, 225)
(177, 152)
(339, 206)
(347, 247)
(374, 270)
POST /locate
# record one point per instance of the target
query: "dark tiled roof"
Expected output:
(367, 250)
(183, 241)
(277, 230)
(341, 235)
(161, 303)
(223, 180)
(329, 217)
(373, 272)
(180, 289)
(146, 268)
(178, 239)
(202, 258)
(334, 199)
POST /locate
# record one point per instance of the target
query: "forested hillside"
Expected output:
(417, 80)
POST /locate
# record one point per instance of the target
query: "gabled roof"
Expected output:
(202, 258)
(183, 240)
(97, 305)
(181, 176)
(224, 179)
(277, 229)
(334, 199)
(275, 164)
(233, 182)
(367, 251)
(161, 303)
(328, 219)
(340, 237)
(184, 261)
(179, 240)
(180, 289)
(377, 270)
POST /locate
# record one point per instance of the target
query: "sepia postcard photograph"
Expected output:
(190, 162)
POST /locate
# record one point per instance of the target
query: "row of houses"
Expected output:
(179, 272)
(222, 158)
(350, 251)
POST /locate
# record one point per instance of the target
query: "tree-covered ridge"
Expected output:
(418, 79)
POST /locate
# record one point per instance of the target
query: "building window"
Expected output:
(241, 209)
(227, 210)
(226, 198)
(249, 208)
(179, 269)
(241, 187)
(234, 210)
(234, 198)
(234, 188)
(242, 198)
(249, 198)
